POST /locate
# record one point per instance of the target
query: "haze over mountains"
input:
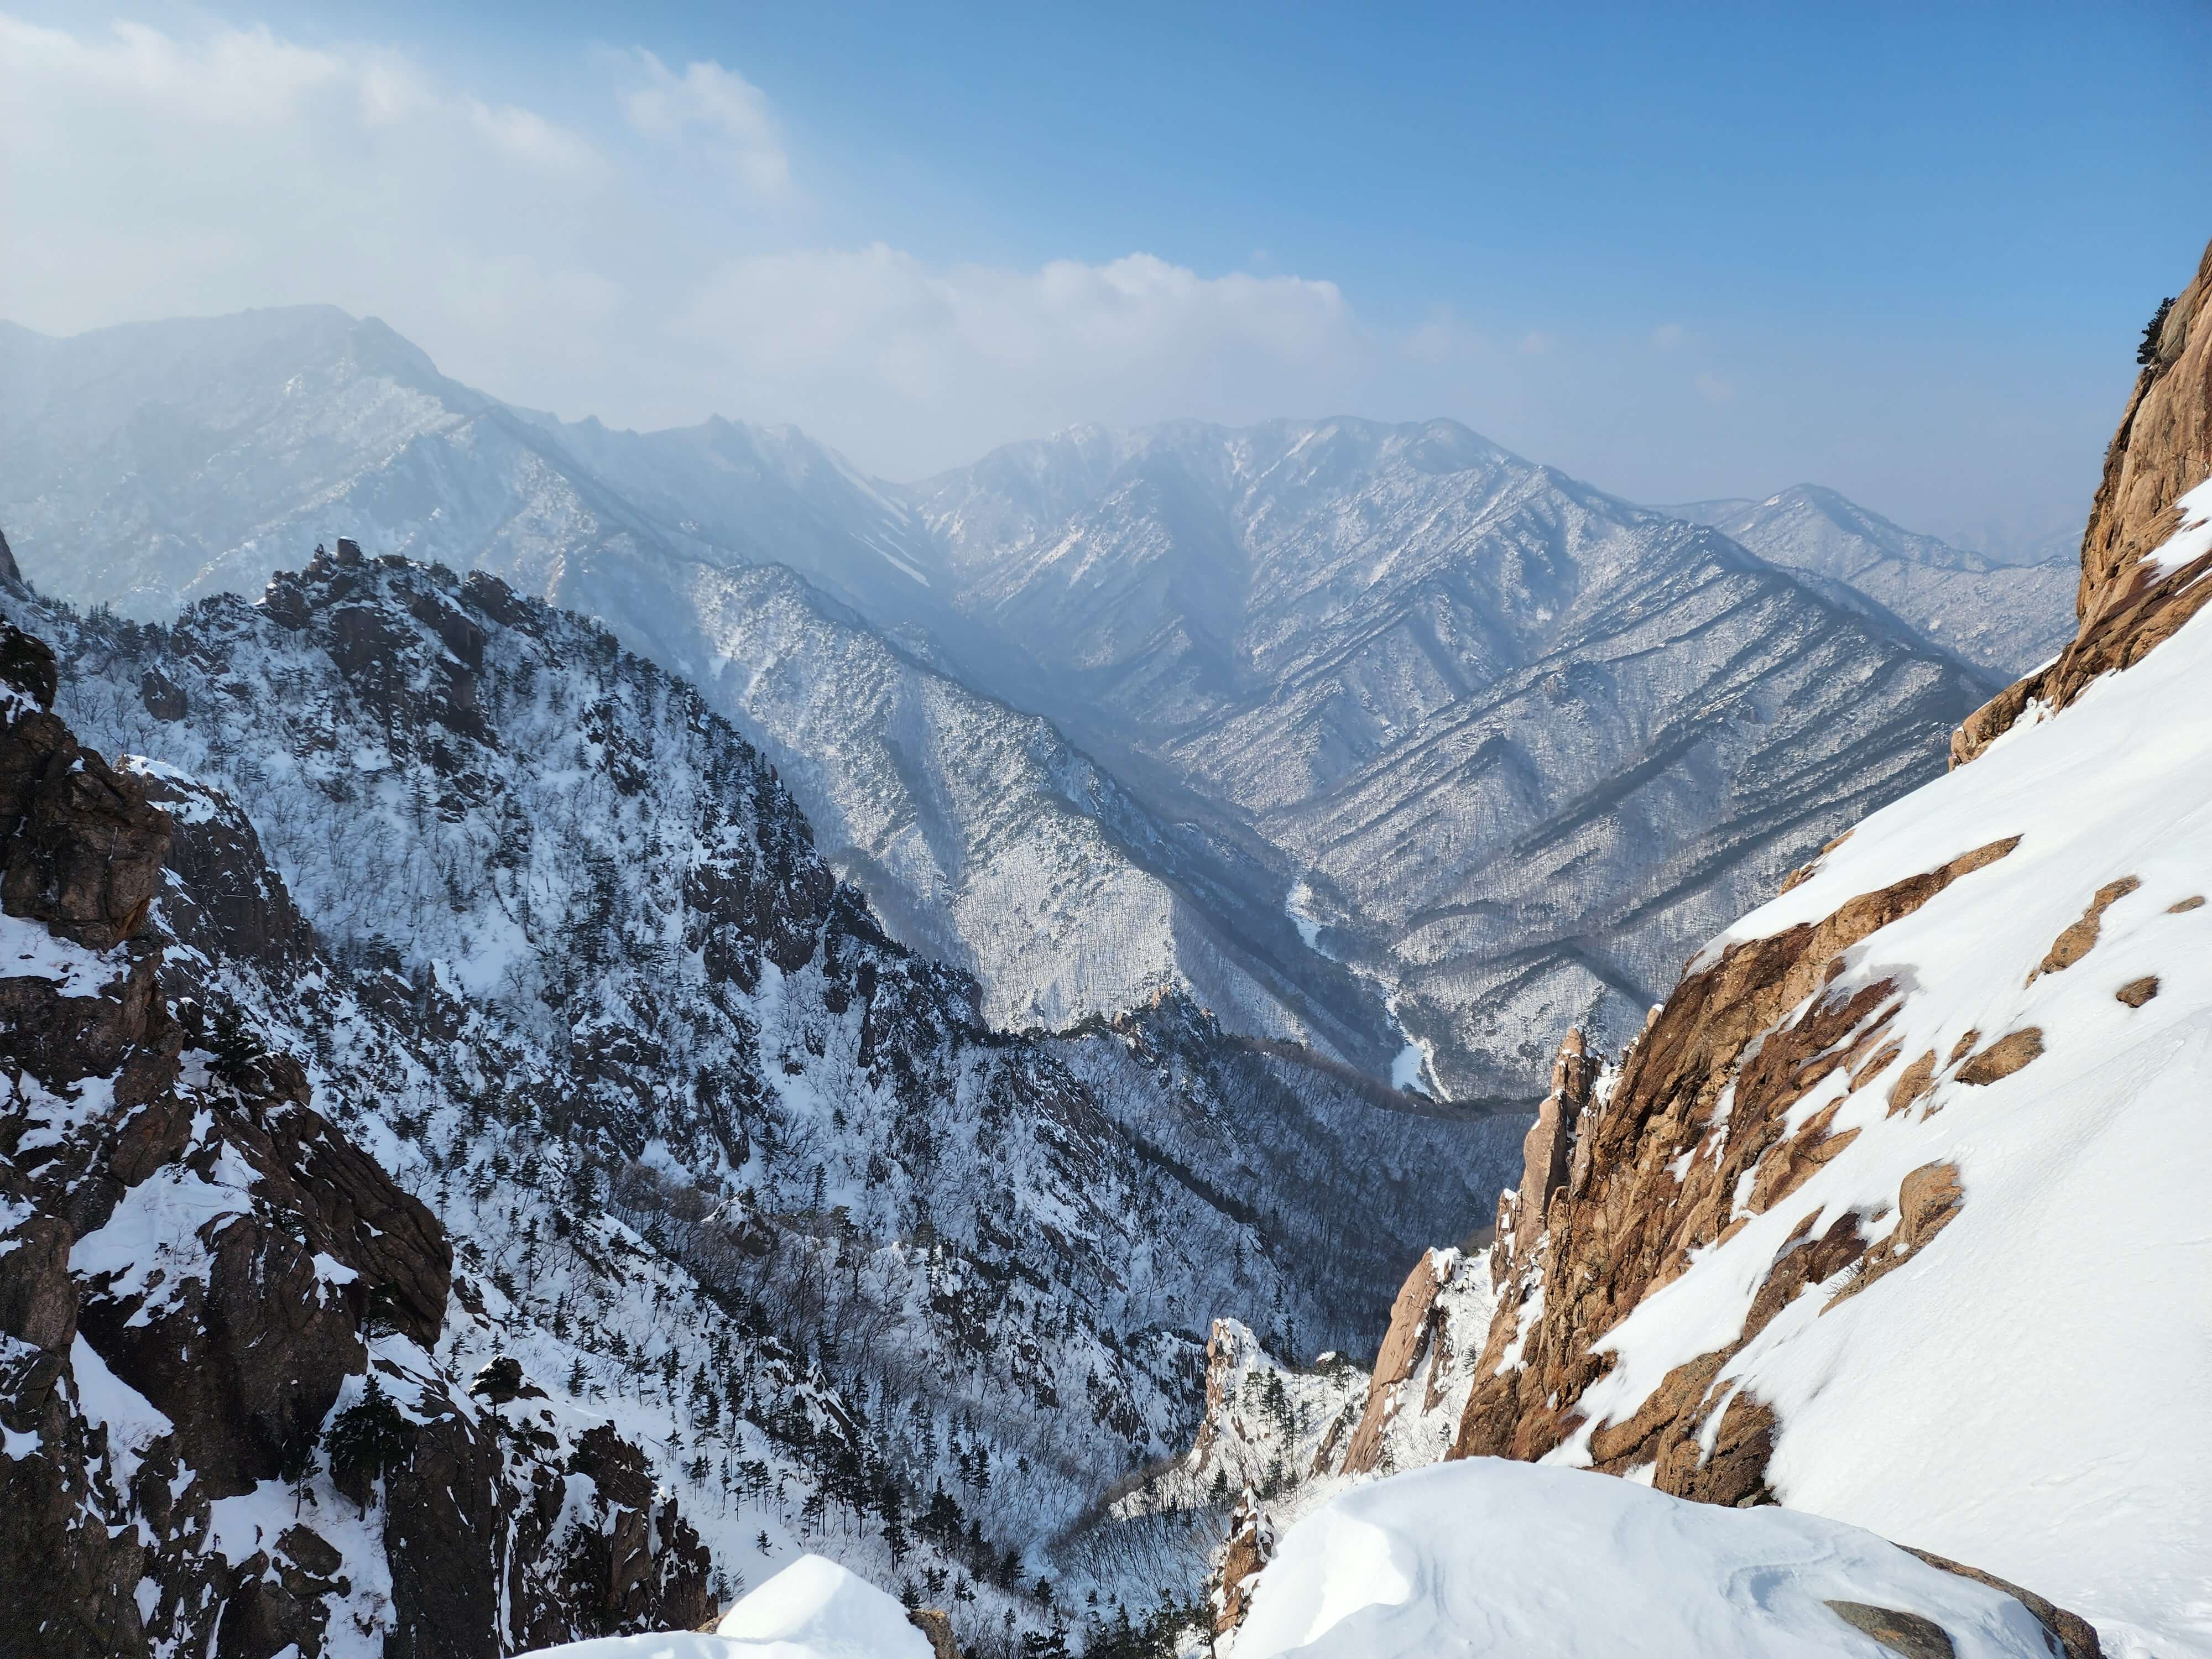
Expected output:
(1296, 716)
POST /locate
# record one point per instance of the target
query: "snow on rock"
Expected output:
(1989, 1398)
(818, 1606)
(1280, 1441)
(201, 1280)
(1489, 1557)
(812, 1609)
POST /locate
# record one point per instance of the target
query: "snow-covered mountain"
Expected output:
(146, 465)
(2004, 617)
(231, 1344)
(563, 955)
(1525, 743)
(1505, 746)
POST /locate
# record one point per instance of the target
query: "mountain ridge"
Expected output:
(1225, 701)
(480, 485)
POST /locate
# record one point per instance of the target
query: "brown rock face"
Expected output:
(1549, 1146)
(2081, 936)
(83, 846)
(2007, 1055)
(2137, 991)
(937, 1626)
(1412, 1329)
(1251, 1546)
(1904, 1633)
(1628, 1222)
(2073, 1635)
(1927, 1199)
(2162, 450)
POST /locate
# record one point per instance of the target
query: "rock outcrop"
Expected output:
(1417, 1323)
(1658, 1175)
(2128, 602)
(1546, 1152)
(936, 1624)
(199, 1275)
(1251, 1545)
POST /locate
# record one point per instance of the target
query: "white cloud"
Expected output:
(714, 107)
(640, 256)
(569, 265)
(920, 365)
(150, 174)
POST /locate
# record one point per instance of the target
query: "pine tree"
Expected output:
(237, 1047)
(367, 1439)
(2148, 351)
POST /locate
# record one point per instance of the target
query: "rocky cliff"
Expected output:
(1849, 1223)
(2130, 599)
(203, 1282)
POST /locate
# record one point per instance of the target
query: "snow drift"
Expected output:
(1487, 1557)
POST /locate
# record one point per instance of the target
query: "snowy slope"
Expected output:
(1892, 1211)
(1993, 1399)
(2003, 617)
(984, 835)
(1525, 745)
(1497, 1560)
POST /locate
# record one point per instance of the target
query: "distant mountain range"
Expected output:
(151, 464)
(2006, 617)
(1301, 717)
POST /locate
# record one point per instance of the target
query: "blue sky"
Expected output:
(1905, 251)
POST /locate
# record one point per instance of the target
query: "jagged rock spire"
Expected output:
(1545, 1151)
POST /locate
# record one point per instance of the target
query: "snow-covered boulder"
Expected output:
(1487, 1557)
(813, 1609)
(818, 1608)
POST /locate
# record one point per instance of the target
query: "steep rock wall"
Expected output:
(2128, 602)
